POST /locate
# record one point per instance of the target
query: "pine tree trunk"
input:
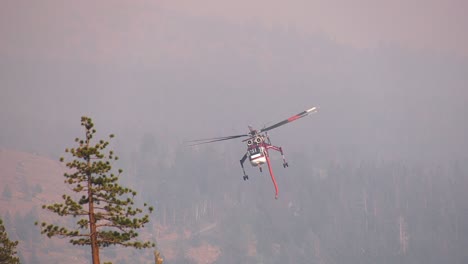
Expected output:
(92, 222)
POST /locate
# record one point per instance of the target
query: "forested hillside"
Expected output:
(353, 211)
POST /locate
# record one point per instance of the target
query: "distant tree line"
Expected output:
(335, 212)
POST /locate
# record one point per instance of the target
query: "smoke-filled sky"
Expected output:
(390, 76)
(433, 25)
(419, 24)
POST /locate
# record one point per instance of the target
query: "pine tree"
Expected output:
(104, 209)
(7, 247)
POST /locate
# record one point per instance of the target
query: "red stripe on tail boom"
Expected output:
(292, 118)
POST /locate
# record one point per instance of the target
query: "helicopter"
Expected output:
(258, 145)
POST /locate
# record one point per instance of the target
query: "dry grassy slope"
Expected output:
(19, 170)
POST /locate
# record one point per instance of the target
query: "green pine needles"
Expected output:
(7, 247)
(105, 210)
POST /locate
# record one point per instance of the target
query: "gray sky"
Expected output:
(390, 76)
(433, 25)
(418, 24)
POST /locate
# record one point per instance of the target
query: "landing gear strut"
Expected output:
(245, 177)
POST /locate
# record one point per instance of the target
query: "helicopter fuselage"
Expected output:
(257, 154)
(257, 147)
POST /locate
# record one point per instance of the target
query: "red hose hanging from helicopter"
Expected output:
(272, 176)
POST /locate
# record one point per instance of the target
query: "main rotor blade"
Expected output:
(292, 118)
(211, 140)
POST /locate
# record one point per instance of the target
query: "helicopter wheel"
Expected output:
(285, 165)
(246, 177)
